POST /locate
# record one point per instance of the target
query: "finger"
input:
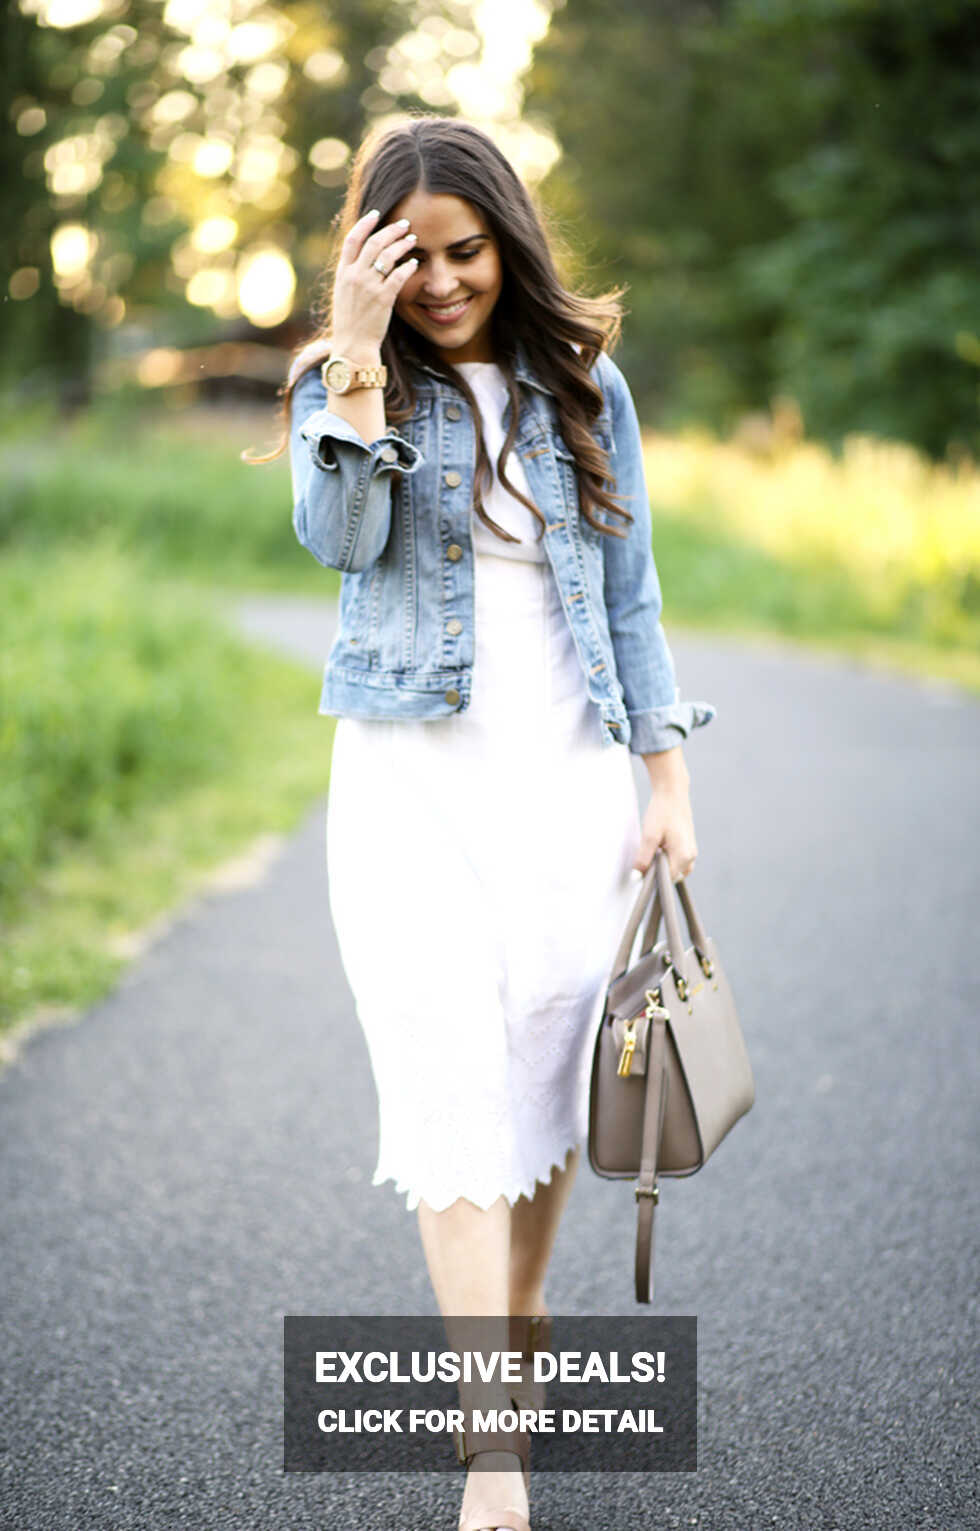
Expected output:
(351, 247)
(390, 257)
(682, 866)
(401, 247)
(645, 855)
(381, 239)
(400, 276)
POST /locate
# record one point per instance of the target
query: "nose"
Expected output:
(440, 280)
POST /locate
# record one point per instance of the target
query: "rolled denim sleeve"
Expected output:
(658, 718)
(341, 486)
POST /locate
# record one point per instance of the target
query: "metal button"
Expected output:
(452, 696)
(453, 412)
(389, 454)
(454, 626)
(453, 479)
(454, 552)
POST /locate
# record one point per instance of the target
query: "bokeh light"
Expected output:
(266, 286)
(210, 95)
(72, 248)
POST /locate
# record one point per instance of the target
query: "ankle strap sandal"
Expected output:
(470, 1446)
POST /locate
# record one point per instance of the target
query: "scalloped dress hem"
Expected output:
(442, 1199)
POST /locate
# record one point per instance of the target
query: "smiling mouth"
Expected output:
(446, 311)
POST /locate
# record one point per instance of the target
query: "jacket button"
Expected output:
(454, 626)
(453, 412)
(452, 696)
(389, 454)
(454, 552)
(453, 479)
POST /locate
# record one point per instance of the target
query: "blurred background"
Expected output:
(790, 190)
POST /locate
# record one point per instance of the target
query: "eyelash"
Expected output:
(459, 255)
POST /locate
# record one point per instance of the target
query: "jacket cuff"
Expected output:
(662, 728)
(391, 453)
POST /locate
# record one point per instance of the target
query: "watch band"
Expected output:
(351, 376)
(369, 377)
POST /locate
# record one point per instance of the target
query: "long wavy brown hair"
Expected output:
(562, 332)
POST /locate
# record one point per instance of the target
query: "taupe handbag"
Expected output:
(670, 1073)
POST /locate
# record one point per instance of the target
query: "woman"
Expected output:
(465, 451)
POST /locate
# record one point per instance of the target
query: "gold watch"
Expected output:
(343, 376)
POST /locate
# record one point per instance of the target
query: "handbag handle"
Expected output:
(656, 880)
(696, 931)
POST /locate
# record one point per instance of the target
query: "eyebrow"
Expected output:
(470, 239)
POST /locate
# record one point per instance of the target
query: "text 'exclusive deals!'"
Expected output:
(383, 1394)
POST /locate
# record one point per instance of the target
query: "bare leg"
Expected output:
(467, 1251)
(533, 1229)
(468, 1254)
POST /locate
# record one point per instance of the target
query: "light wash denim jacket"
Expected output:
(394, 517)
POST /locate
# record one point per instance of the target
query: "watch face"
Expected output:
(338, 375)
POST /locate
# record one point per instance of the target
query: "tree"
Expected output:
(790, 187)
(173, 166)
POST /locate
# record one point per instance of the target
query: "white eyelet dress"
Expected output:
(479, 882)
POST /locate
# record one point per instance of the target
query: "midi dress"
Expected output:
(479, 879)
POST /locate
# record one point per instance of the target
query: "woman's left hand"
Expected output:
(668, 820)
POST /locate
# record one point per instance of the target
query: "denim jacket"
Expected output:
(394, 517)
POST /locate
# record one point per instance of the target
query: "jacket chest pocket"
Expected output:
(602, 431)
(416, 428)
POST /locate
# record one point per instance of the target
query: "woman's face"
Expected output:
(451, 296)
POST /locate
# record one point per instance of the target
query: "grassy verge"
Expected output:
(168, 488)
(875, 554)
(140, 745)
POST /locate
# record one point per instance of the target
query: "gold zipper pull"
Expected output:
(629, 1048)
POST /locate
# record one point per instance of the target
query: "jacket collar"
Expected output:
(522, 371)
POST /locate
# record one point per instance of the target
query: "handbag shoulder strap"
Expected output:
(647, 1190)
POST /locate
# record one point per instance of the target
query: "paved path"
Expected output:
(192, 1160)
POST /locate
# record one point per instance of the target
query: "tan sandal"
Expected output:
(469, 1446)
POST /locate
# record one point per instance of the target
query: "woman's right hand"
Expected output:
(363, 298)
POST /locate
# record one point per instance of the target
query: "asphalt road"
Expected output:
(191, 1160)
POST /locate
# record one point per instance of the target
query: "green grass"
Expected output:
(873, 553)
(140, 744)
(170, 489)
(715, 583)
(876, 551)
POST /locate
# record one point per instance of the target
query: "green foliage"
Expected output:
(140, 741)
(783, 534)
(140, 744)
(791, 189)
(132, 111)
(115, 690)
(875, 279)
(173, 490)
